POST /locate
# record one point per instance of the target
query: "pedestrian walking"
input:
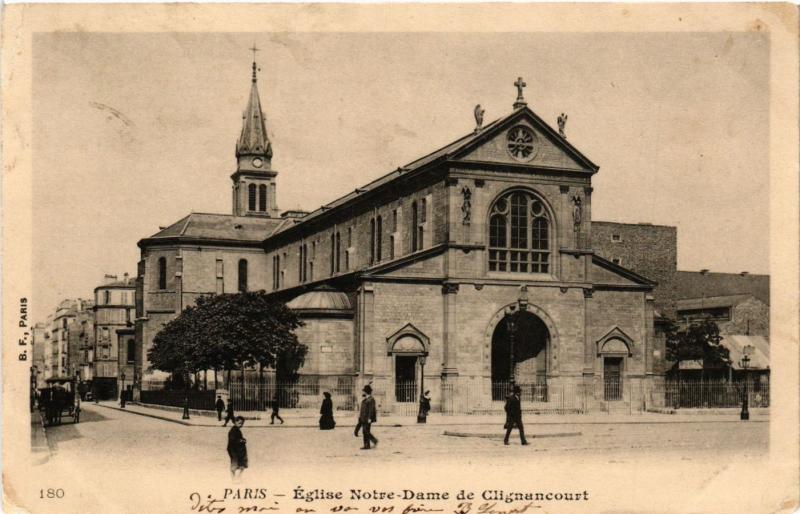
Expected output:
(229, 414)
(366, 417)
(326, 421)
(275, 412)
(425, 403)
(514, 415)
(220, 405)
(237, 447)
(358, 425)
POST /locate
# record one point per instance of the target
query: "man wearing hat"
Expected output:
(367, 416)
(514, 415)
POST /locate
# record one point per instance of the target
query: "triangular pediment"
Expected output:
(541, 145)
(607, 273)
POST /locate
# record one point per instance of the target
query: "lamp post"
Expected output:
(186, 397)
(512, 322)
(745, 363)
(422, 414)
(122, 391)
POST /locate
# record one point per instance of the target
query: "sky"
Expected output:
(134, 131)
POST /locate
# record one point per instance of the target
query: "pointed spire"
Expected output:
(253, 140)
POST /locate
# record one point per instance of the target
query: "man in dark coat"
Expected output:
(366, 417)
(220, 405)
(514, 415)
(237, 448)
(229, 415)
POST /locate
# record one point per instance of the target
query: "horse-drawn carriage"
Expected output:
(60, 398)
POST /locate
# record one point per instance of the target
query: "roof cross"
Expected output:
(520, 100)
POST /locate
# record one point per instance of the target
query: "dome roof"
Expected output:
(321, 299)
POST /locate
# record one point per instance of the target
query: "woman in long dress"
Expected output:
(237, 447)
(326, 421)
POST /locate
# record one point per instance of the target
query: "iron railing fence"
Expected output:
(472, 396)
(711, 393)
(203, 400)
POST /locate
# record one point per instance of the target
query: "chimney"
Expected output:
(125, 278)
(108, 279)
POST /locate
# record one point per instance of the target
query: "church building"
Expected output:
(467, 269)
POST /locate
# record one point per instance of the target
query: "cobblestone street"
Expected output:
(115, 447)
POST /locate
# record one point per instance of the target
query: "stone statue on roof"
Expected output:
(478, 117)
(562, 123)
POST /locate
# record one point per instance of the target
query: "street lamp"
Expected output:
(422, 414)
(186, 397)
(512, 323)
(122, 391)
(745, 363)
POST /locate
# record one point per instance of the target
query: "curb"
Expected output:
(672, 420)
(502, 436)
(148, 415)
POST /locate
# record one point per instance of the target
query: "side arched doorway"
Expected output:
(530, 363)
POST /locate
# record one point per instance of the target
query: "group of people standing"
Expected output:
(367, 415)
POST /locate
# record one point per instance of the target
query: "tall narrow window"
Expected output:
(333, 253)
(300, 264)
(262, 198)
(372, 241)
(338, 251)
(379, 240)
(311, 258)
(423, 217)
(251, 197)
(242, 275)
(276, 271)
(414, 222)
(519, 234)
(106, 297)
(162, 272)
(131, 357)
(347, 250)
(305, 263)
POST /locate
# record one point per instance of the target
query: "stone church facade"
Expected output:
(419, 271)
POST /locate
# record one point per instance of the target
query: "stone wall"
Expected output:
(649, 250)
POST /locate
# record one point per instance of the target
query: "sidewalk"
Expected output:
(40, 449)
(308, 418)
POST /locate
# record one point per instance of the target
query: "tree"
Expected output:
(230, 331)
(699, 341)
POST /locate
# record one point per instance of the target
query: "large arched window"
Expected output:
(519, 234)
(162, 272)
(242, 275)
(262, 198)
(251, 197)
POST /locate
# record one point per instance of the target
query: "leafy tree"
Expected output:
(230, 331)
(697, 341)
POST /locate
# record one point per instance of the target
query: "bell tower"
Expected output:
(254, 179)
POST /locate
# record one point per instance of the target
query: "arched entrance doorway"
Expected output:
(531, 345)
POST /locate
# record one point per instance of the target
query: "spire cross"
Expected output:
(254, 49)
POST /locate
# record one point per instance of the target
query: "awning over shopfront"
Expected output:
(759, 357)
